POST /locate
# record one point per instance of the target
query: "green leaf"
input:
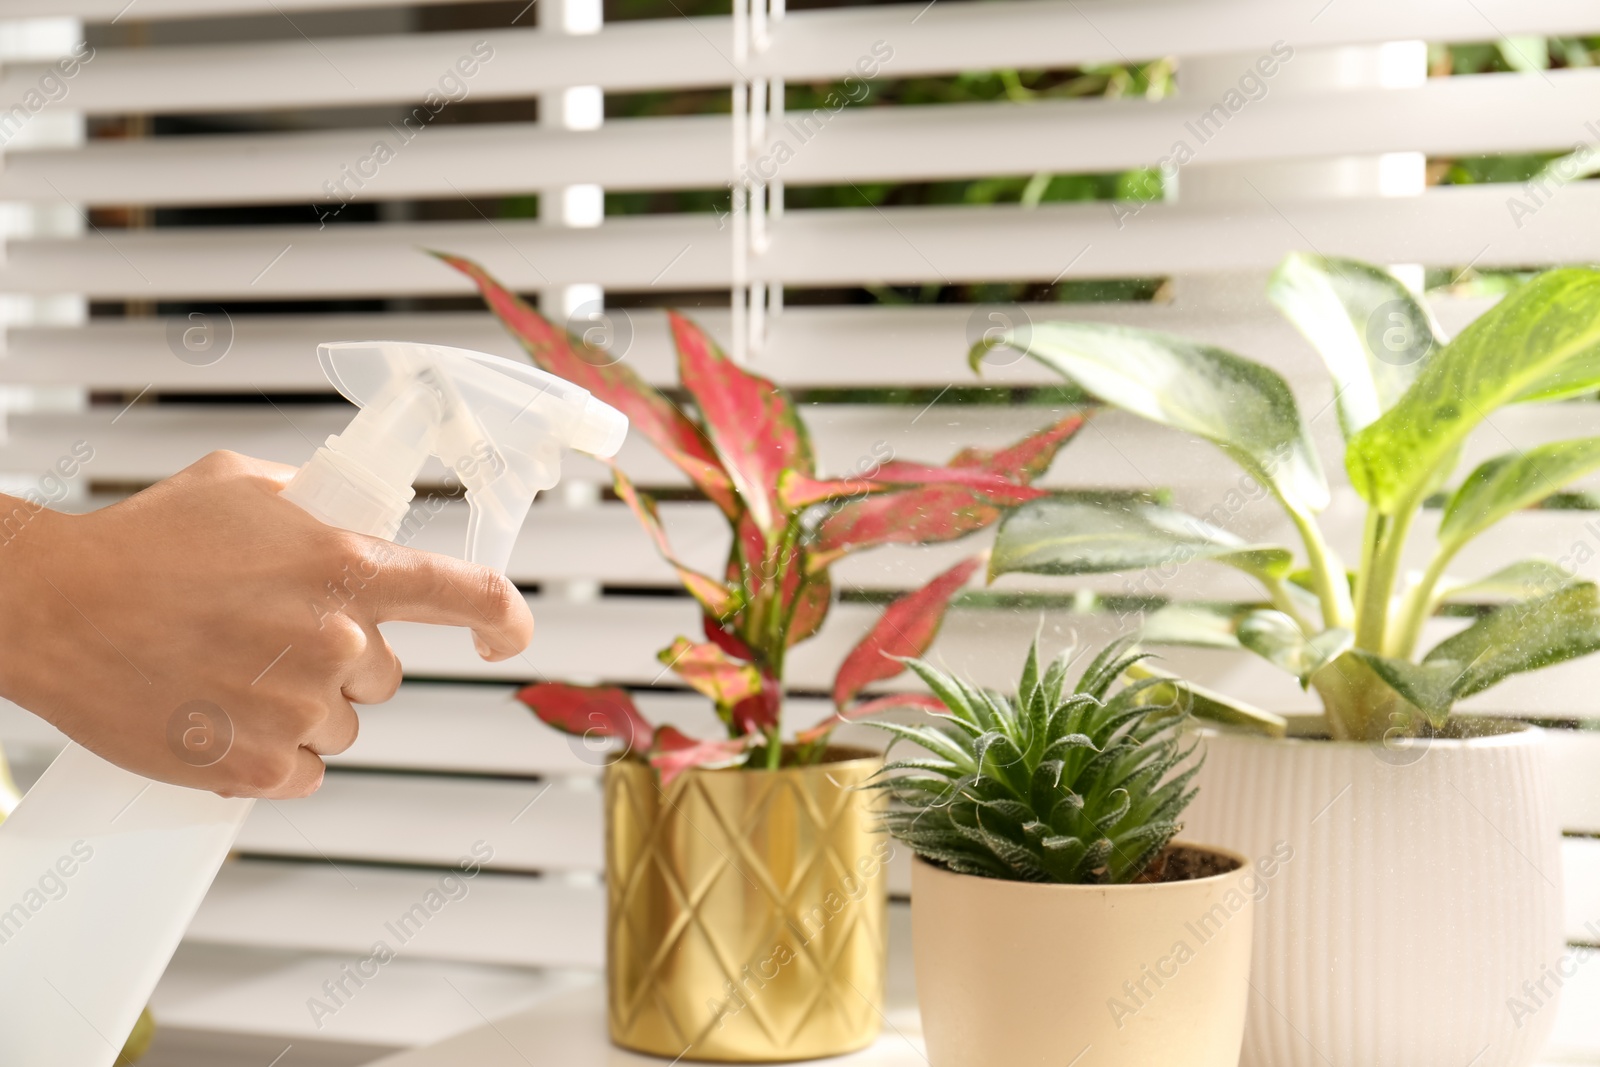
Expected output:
(1203, 703)
(1524, 636)
(1542, 342)
(1276, 637)
(1191, 624)
(1519, 581)
(1084, 535)
(1511, 482)
(1517, 637)
(1428, 686)
(1370, 330)
(1238, 405)
(1525, 54)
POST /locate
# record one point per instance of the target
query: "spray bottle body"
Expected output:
(108, 869)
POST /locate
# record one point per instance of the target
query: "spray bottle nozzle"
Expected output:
(499, 426)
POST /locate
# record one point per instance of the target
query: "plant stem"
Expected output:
(1418, 606)
(1278, 593)
(1386, 542)
(1327, 572)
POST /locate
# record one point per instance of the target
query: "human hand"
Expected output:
(209, 595)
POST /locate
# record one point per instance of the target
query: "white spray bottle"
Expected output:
(101, 870)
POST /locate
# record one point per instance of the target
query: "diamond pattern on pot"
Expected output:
(746, 911)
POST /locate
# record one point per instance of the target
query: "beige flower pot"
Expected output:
(1019, 974)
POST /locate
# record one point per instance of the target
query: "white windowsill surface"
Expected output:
(569, 1030)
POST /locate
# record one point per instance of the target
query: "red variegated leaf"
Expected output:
(1026, 459)
(685, 754)
(807, 598)
(672, 739)
(753, 426)
(590, 712)
(726, 639)
(866, 709)
(761, 712)
(995, 487)
(908, 517)
(707, 669)
(715, 597)
(906, 629)
(935, 513)
(797, 490)
(649, 411)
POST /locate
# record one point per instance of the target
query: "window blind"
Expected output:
(219, 160)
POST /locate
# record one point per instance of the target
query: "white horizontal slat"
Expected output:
(487, 918)
(617, 638)
(1445, 227)
(807, 347)
(229, 990)
(368, 816)
(1580, 861)
(489, 733)
(529, 825)
(1573, 759)
(810, 45)
(147, 10)
(144, 443)
(1474, 115)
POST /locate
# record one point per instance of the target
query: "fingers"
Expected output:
(336, 732)
(414, 586)
(304, 778)
(375, 675)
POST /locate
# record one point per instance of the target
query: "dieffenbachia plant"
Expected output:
(1407, 400)
(745, 448)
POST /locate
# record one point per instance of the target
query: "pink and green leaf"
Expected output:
(649, 411)
(761, 712)
(752, 424)
(905, 629)
(1028, 458)
(725, 637)
(997, 488)
(589, 711)
(676, 753)
(709, 670)
(908, 517)
(797, 490)
(939, 512)
(716, 598)
(868, 708)
(807, 598)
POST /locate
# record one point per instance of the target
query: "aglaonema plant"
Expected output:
(742, 444)
(1407, 400)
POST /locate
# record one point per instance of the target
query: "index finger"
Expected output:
(415, 586)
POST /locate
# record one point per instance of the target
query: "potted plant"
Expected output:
(1430, 892)
(746, 907)
(1053, 917)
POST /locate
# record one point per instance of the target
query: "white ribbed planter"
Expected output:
(1423, 890)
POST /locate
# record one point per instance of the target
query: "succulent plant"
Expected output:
(1050, 785)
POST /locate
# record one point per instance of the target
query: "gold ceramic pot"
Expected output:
(746, 910)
